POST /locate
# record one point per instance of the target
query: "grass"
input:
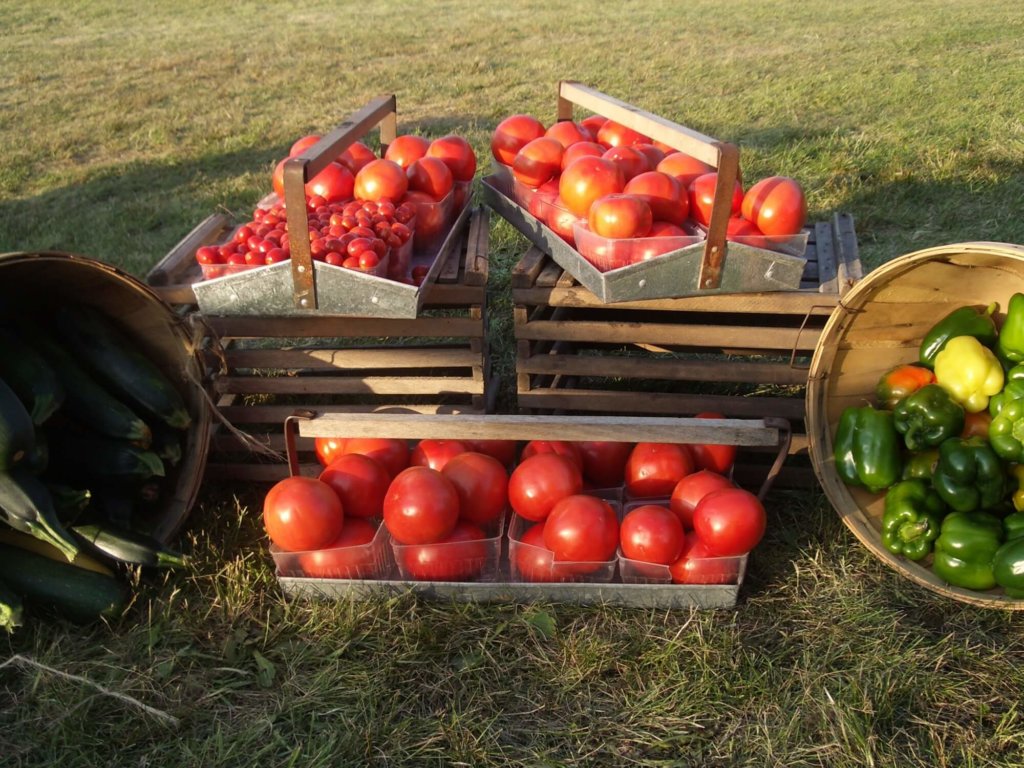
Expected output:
(123, 129)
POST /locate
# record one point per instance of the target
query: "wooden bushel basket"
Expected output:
(879, 324)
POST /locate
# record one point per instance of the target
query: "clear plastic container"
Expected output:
(362, 561)
(607, 254)
(703, 570)
(475, 560)
(558, 218)
(400, 261)
(790, 245)
(531, 563)
(213, 271)
(433, 220)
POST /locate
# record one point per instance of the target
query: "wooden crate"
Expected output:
(742, 354)
(265, 368)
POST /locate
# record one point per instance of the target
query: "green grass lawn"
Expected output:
(122, 127)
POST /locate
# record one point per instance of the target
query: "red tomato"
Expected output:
(593, 124)
(356, 156)
(430, 175)
(730, 521)
(560, 219)
(653, 154)
(702, 197)
(542, 198)
(691, 489)
(776, 205)
(581, 149)
(582, 529)
(740, 227)
(392, 454)
(653, 469)
(334, 183)
(717, 458)
(430, 220)
(683, 168)
(302, 513)
(613, 134)
(512, 134)
(302, 145)
(457, 154)
(666, 196)
(435, 453)
(277, 178)
(666, 229)
(503, 450)
(652, 534)
(407, 149)
(620, 216)
(459, 556)
(541, 481)
(632, 161)
(347, 557)
(534, 562)
(566, 132)
(482, 484)
(697, 565)
(329, 448)
(563, 447)
(585, 180)
(381, 180)
(604, 463)
(360, 483)
(421, 506)
(538, 161)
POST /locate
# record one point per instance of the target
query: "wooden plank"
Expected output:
(454, 260)
(332, 385)
(828, 273)
(478, 249)
(276, 414)
(850, 269)
(304, 358)
(340, 326)
(525, 271)
(660, 403)
(180, 259)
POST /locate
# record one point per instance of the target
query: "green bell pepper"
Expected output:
(965, 549)
(1013, 526)
(928, 417)
(1013, 389)
(965, 321)
(1006, 432)
(1010, 342)
(968, 474)
(901, 381)
(912, 519)
(1008, 567)
(921, 465)
(1016, 480)
(867, 448)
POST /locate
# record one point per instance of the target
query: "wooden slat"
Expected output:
(180, 260)
(453, 262)
(340, 326)
(330, 385)
(828, 273)
(660, 403)
(276, 414)
(477, 265)
(850, 269)
(299, 358)
(525, 271)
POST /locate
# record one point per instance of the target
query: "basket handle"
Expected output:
(723, 156)
(299, 170)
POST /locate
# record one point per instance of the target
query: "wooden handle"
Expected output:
(300, 169)
(180, 259)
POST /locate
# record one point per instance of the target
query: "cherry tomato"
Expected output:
(613, 134)
(585, 180)
(666, 196)
(302, 513)
(347, 557)
(302, 145)
(582, 529)
(534, 561)
(604, 463)
(776, 205)
(503, 450)
(335, 182)
(730, 521)
(459, 556)
(430, 175)
(620, 216)
(652, 534)
(538, 161)
(421, 506)
(683, 168)
(698, 565)
(512, 134)
(581, 149)
(435, 453)
(457, 154)
(702, 197)
(392, 454)
(567, 133)
(653, 469)
(482, 484)
(360, 483)
(541, 481)
(356, 156)
(565, 448)
(632, 161)
(381, 180)
(405, 150)
(717, 458)
(691, 489)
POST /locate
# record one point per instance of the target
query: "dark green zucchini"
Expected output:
(115, 359)
(38, 459)
(129, 546)
(28, 507)
(30, 376)
(76, 593)
(167, 444)
(17, 434)
(84, 457)
(10, 608)
(69, 502)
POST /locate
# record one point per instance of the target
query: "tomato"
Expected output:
(430, 175)
(381, 180)
(347, 557)
(632, 161)
(457, 154)
(560, 219)
(421, 506)
(702, 198)
(435, 453)
(512, 134)
(541, 481)
(302, 145)
(277, 178)
(329, 448)
(717, 458)
(776, 205)
(407, 149)
(360, 483)
(653, 469)
(652, 534)
(613, 134)
(691, 489)
(740, 227)
(503, 450)
(620, 216)
(430, 219)
(566, 132)
(581, 149)
(538, 161)
(585, 180)
(392, 454)
(482, 484)
(542, 198)
(604, 462)
(563, 447)
(582, 529)
(302, 513)
(334, 183)
(653, 154)
(534, 561)
(356, 156)
(593, 124)
(683, 168)
(697, 565)
(666, 196)
(730, 521)
(459, 556)
(666, 229)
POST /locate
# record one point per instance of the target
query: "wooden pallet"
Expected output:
(744, 355)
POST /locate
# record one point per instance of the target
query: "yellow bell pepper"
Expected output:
(969, 371)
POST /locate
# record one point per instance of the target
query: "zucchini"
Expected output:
(38, 459)
(87, 400)
(73, 592)
(129, 546)
(28, 507)
(87, 457)
(30, 376)
(69, 502)
(17, 434)
(32, 544)
(115, 359)
(10, 608)
(167, 445)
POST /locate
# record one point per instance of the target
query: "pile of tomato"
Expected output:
(601, 177)
(571, 511)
